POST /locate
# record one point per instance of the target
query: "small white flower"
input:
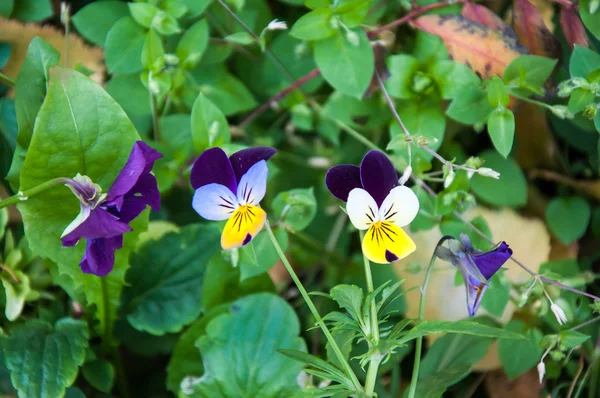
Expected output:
(541, 368)
(65, 13)
(405, 175)
(558, 313)
(487, 172)
(319, 162)
(449, 178)
(276, 25)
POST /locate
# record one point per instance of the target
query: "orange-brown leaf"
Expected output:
(485, 50)
(573, 27)
(484, 16)
(532, 31)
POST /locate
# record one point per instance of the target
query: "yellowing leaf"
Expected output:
(485, 50)
(485, 16)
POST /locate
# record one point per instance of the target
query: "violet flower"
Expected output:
(104, 217)
(477, 268)
(376, 203)
(231, 189)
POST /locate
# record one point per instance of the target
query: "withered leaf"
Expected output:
(487, 17)
(532, 31)
(573, 27)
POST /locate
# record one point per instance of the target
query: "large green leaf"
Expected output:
(347, 66)
(260, 255)
(239, 350)
(79, 129)
(209, 126)
(163, 292)
(433, 386)
(568, 218)
(501, 126)
(508, 191)
(591, 21)
(32, 10)
(95, 20)
(30, 90)
(518, 357)
(186, 360)
(464, 327)
(44, 360)
(124, 45)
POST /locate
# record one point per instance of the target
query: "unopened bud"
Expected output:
(171, 59)
(422, 141)
(590, 111)
(405, 175)
(421, 83)
(65, 13)
(449, 178)
(352, 38)
(562, 112)
(487, 172)
(541, 368)
(594, 6)
(276, 25)
(559, 313)
(474, 162)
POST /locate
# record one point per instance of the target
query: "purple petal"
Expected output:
(377, 175)
(141, 160)
(342, 179)
(100, 224)
(99, 257)
(489, 263)
(213, 167)
(475, 291)
(241, 161)
(144, 193)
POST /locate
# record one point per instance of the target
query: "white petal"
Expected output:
(361, 208)
(214, 202)
(253, 184)
(400, 206)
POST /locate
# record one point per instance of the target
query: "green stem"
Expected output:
(313, 309)
(155, 125)
(375, 359)
(419, 344)
(23, 196)
(6, 80)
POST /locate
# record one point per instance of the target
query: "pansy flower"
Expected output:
(376, 203)
(231, 189)
(104, 217)
(476, 267)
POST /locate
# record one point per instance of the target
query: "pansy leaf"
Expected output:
(30, 91)
(251, 332)
(296, 208)
(259, 256)
(79, 129)
(163, 291)
(43, 359)
(100, 374)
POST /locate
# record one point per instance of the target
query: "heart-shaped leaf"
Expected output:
(568, 218)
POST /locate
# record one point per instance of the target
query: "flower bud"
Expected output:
(474, 162)
(449, 178)
(352, 38)
(405, 175)
(590, 111)
(171, 59)
(276, 25)
(487, 172)
(594, 5)
(421, 83)
(562, 112)
(65, 13)
(558, 313)
(541, 368)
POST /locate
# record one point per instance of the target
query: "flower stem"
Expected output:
(6, 80)
(313, 309)
(419, 344)
(22, 196)
(375, 359)
(155, 124)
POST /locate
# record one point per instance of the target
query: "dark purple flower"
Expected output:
(377, 203)
(476, 267)
(104, 218)
(231, 189)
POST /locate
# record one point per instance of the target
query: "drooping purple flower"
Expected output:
(476, 267)
(231, 189)
(376, 203)
(104, 217)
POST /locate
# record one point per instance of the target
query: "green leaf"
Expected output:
(71, 137)
(583, 62)
(260, 256)
(251, 333)
(402, 68)
(95, 19)
(501, 126)
(6, 8)
(453, 77)
(580, 98)
(209, 126)
(497, 93)
(316, 363)
(16, 293)
(350, 298)
(124, 46)
(43, 360)
(242, 38)
(296, 208)
(153, 52)
(165, 24)
(470, 106)
(429, 48)
(463, 327)
(591, 21)
(519, 356)
(32, 10)
(454, 350)
(535, 70)
(351, 12)
(572, 338)
(130, 93)
(508, 191)
(455, 227)
(434, 386)
(196, 7)
(497, 295)
(193, 44)
(3, 221)
(163, 294)
(100, 374)
(30, 90)
(346, 66)
(143, 13)
(316, 25)
(186, 360)
(568, 218)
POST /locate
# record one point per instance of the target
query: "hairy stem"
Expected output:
(313, 309)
